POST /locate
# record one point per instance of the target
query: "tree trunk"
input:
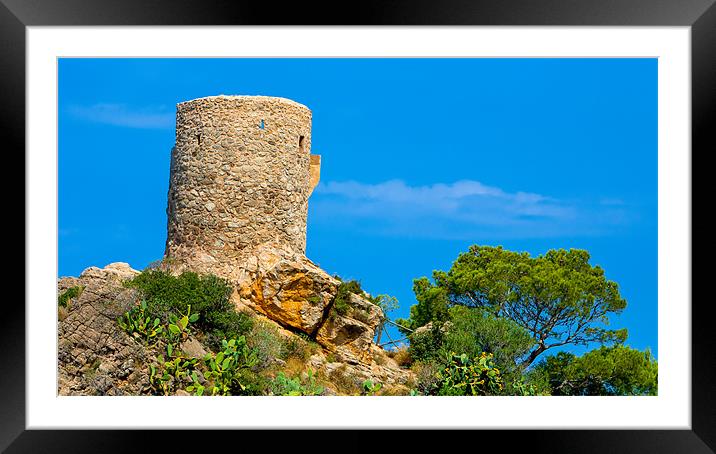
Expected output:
(535, 353)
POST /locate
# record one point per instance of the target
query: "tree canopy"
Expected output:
(558, 298)
(607, 371)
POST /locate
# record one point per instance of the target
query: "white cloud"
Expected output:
(460, 210)
(121, 115)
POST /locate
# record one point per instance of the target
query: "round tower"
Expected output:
(241, 173)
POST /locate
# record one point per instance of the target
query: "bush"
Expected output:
(285, 386)
(401, 356)
(473, 331)
(266, 340)
(370, 388)
(224, 370)
(426, 374)
(208, 296)
(607, 371)
(341, 302)
(298, 346)
(470, 377)
(137, 323)
(228, 325)
(432, 306)
(425, 344)
(73, 292)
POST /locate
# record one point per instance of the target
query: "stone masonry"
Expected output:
(241, 174)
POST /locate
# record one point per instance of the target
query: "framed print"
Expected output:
(271, 177)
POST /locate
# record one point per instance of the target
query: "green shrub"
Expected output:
(266, 340)
(298, 346)
(138, 323)
(607, 371)
(473, 331)
(227, 325)
(73, 292)
(470, 377)
(224, 370)
(169, 375)
(225, 373)
(370, 388)
(208, 296)
(426, 344)
(426, 374)
(341, 302)
(285, 386)
(519, 387)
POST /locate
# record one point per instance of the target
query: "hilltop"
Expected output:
(294, 345)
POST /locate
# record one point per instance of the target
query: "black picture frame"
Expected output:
(700, 15)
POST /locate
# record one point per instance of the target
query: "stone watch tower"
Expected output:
(241, 174)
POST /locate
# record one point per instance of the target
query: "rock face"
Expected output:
(294, 292)
(352, 334)
(289, 289)
(96, 357)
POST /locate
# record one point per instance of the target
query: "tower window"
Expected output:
(262, 125)
(300, 143)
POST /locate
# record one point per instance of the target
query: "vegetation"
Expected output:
(225, 369)
(558, 298)
(244, 362)
(479, 329)
(341, 302)
(285, 386)
(300, 347)
(65, 297)
(370, 388)
(511, 308)
(607, 371)
(208, 296)
(464, 376)
(222, 373)
(138, 323)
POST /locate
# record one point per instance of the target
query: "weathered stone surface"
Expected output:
(96, 357)
(351, 334)
(193, 348)
(287, 288)
(387, 372)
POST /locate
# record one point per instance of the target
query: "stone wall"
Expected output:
(240, 177)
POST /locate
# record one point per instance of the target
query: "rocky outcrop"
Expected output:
(351, 334)
(95, 357)
(289, 289)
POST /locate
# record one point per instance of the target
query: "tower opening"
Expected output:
(300, 144)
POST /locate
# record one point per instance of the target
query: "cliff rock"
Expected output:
(96, 357)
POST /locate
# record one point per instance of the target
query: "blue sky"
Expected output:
(420, 159)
